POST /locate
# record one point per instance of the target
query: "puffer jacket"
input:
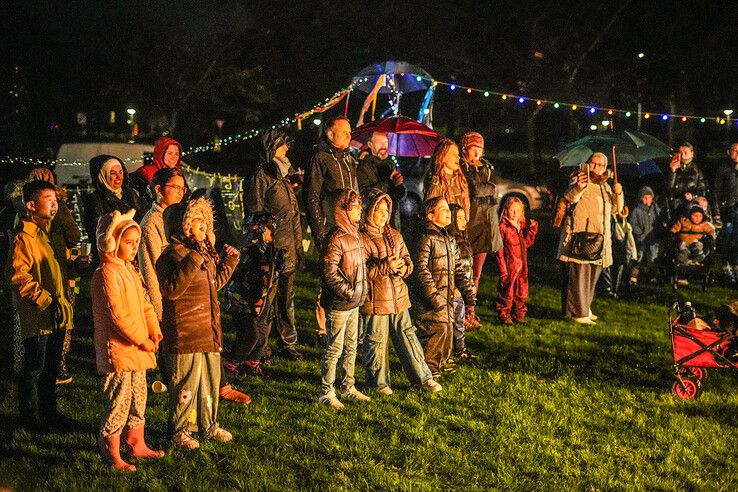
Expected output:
(388, 293)
(438, 273)
(373, 172)
(331, 169)
(687, 178)
(123, 315)
(482, 229)
(253, 287)
(344, 278)
(190, 279)
(272, 193)
(726, 189)
(643, 220)
(689, 232)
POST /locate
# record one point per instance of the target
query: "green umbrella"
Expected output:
(629, 147)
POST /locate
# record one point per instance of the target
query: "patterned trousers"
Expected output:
(125, 402)
(193, 392)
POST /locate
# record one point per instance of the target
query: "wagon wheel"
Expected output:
(686, 389)
(698, 372)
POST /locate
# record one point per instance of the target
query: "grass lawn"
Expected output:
(549, 406)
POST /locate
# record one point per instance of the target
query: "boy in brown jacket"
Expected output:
(691, 231)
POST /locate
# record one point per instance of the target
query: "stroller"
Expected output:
(697, 347)
(704, 270)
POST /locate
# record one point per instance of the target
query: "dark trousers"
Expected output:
(578, 288)
(284, 311)
(37, 379)
(251, 339)
(435, 338)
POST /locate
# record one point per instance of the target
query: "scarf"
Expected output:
(104, 177)
(283, 164)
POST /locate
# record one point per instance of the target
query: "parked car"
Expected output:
(75, 171)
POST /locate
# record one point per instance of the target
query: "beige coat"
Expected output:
(153, 242)
(592, 206)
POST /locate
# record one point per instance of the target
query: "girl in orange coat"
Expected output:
(126, 336)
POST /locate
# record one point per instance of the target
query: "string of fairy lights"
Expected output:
(521, 100)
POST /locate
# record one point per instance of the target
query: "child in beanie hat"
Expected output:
(644, 221)
(691, 231)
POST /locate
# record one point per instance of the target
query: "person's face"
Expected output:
(172, 192)
(702, 202)
(45, 206)
(461, 220)
(647, 200)
(171, 156)
(441, 215)
(116, 176)
(354, 212)
(450, 158)
(380, 214)
(597, 165)
(733, 153)
(198, 229)
(281, 151)
(128, 246)
(473, 154)
(686, 154)
(378, 145)
(340, 134)
(696, 217)
(515, 212)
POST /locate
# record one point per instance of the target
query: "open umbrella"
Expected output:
(407, 137)
(629, 147)
(639, 169)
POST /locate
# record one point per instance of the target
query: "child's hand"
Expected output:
(532, 222)
(148, 346)
(156, 338)
(230, 250)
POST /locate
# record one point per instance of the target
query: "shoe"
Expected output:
(355, 394)
(448, 369)
(228, 393)
(253, 370)
(63, 378)
(520, 321)
(331, 400)
(110, 451)
(431, 386)
(222, 435)
(58, 421)
(682, 282)
(232, 369)
(465, 356)
(592, 316)
(385, 390)
(472, 322)
(135, 439)
(290, 353)
(185, 441)
(505, 320)
(584, 321)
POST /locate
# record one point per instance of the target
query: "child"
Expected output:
(518, 234)
(462, 323)
(644, 221)
(691, 230)
(190, 275)
(39, 298)
(437, 274)
(126, 336)
(386, 308)
(344, 287)
(251, 294)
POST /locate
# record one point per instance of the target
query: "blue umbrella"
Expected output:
(639, 169)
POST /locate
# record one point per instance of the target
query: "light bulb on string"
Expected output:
(573, 107)
(556, 105)
(539, 102)
(592, 110)
(647, 115)
(452, 87)
(504, 96)
(468, 91)
(627, 114)
(664, 117)
(521, 100)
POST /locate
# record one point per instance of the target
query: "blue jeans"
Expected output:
(459, 317)
(399, 327)
(342, 329)
(37, 378)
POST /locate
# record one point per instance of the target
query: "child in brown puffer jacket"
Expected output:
(691, 231)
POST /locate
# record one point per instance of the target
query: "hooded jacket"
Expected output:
(373, 172)
(123, 315)
(102, 201)
(142, 176)
(344, 285)
(387, 292)
(331, 169)
(512, 258)
(189, 280)
(482, 227)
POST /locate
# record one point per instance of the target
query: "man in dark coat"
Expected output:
(726, 203)
(271, 191)
(684, 180)
(377, 170)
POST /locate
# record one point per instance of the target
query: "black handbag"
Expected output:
(585, 245)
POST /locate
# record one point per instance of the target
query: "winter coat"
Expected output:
(434, 188)
(644, 220)
(344, 277)
(37, 280)
(331, 169)
(388, 293)
(483, 224)
(512, 258)
(438, 273)
(123, 315)
(65, 234)
(591, 208)
(253, 287)
(689, 232)
(374, 172)
(272, 193)
(102, 201)
(190, 279)
(726, 189)
(153, 242)
(141, 177)
(687, 178)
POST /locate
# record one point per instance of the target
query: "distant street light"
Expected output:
(317, 122)
(641, 55)
(131, 112)
(727, 113)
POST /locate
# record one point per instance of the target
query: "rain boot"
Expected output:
(110, 451)
(135, 439)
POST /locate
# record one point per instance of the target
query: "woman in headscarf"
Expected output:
(167, 154)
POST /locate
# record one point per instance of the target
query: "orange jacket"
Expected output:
(690, 232)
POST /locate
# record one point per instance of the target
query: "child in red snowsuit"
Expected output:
(518, 234)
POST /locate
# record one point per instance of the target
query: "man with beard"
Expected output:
(377, 170)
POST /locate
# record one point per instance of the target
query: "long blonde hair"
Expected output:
(513, 200)
(447, 180)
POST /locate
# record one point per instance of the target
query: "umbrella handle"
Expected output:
(624, 214)
(614, 166)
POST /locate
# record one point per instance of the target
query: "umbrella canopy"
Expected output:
(404, 77)
(630, 148)
(406, 137)
(639, 169)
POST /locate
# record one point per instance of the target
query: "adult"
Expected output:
(446, 179)
(112, 192)
(271, 191)
(726, 204)
(592, 202)
(684, 180)
(377, 170)
(167, 154)
(483, 225)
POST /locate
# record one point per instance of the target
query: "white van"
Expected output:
(74, 169)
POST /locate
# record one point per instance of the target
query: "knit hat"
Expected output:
(646, 190)
(694, 209)
(472, 139)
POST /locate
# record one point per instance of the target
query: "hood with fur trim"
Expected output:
(177, 219)
(372, 198)
(342, 202)
(110, 228)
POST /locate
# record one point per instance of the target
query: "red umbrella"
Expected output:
(407, 137)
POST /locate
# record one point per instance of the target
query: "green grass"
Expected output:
(549, 406)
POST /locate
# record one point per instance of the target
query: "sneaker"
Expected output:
(253, 370)
(266, 361)
(385, 390)
(222, 435)
(472, 322)
(290, 353)
(331, 400)
(185, 441)
(465, 356)
(584, 321)
(228, 393)
(64, 378)
(431, 386)
(355, 394)
(505, 320)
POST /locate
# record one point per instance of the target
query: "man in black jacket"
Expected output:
(726, 203)
(377, 170)
(684, 180)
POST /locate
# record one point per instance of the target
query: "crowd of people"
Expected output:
(159, 268)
